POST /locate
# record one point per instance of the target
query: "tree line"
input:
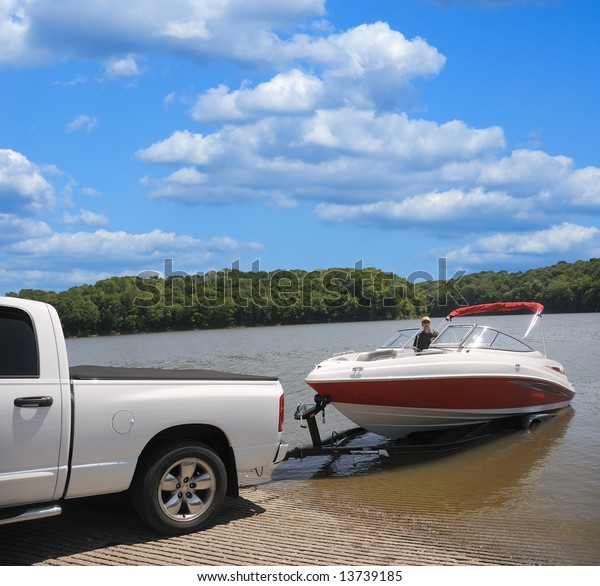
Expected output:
(561, 288)
(230, 298)
(233, 298)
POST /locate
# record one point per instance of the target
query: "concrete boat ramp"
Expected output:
(292, 522)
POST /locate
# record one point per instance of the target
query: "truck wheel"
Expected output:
(180, 488)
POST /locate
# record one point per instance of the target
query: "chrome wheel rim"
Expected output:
(186, 490)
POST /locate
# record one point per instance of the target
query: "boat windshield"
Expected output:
(474, 336)
(402, 338)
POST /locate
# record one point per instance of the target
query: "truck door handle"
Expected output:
(33, 402)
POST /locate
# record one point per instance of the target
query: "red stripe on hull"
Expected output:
(448, 393)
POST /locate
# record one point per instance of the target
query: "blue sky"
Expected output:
(305, 134)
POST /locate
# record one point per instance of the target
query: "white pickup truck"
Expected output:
(175, 439)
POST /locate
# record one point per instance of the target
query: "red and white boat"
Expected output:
(470, 374)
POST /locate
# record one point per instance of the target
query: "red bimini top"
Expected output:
(497, 307)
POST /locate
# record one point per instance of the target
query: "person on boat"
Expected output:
(424, 338)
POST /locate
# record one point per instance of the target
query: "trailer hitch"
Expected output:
(303, 413)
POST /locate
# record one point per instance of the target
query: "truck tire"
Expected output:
(180, 487)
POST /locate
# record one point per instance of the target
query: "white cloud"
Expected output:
(81, 122)
(186, 30)
(287, 93)
(473, 210)
(182, 147)
(337, 154)
(14, 228)
(371, 52)
(89, 192)
(565, 240)
(90, 249)
(23, 188)
(169, 98)
(584, 187)
(186, 176)
(365, 67)
(553, 181)
(34, 32)
(526, 188)
(524, 167)
(85, 257)
(397, 137)
(15, 279)
(85, 217)
(77, 80)
(377, 59)
(14, 25)
(124, 67)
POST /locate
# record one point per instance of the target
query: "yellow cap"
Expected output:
(425, 318)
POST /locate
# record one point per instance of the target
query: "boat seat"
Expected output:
(376, 355)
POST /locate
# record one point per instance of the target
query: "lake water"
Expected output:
(547, 480)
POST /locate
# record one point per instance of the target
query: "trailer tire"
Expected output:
(180, 487)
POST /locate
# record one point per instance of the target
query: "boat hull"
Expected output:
(397, 407)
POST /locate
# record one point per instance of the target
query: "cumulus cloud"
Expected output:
(331, 154)
(526, 188)
(182, 147)
(23, 187)
(124, 67)
(14, 228)
(86, 257)
(373, 63)
(584, 187)
(14, 24)
(397, 137)
(72, 258)
(559, 239)
(104, 245)
(370, 52)
(473, 210)
(34, 32)
(287, 93)
(36, 278)
(69, 258)
(526, 169)
(86, 217)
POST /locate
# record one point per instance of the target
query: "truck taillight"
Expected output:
(281, 411)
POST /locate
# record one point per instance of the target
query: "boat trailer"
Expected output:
(416, 443)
